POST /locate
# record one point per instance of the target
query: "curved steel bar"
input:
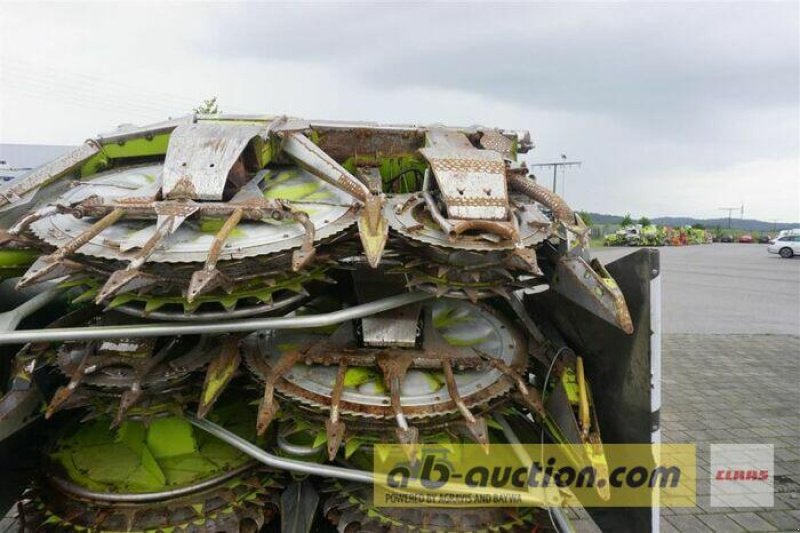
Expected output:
(297, 449)
(9, 320)
(170, 329)
(360, 476)
(81, 492)
(330, 471)
(293, 301)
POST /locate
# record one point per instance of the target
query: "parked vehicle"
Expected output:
(786, 246)
(746, 239)
(785, 232)
(726, 238)
(764, 239)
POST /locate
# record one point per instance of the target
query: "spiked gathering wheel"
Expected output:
(127, 371)
(280, 292)
(163, 476)
(466, 274)
(470, 356)
(351, 509)
(133, 378)
(409, 216)
(119, 217)
(327, 207)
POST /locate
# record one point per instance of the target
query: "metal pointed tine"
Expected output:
(303, 256)
(476, 425)
(441, 290)
(394, 372)
(334, 427)
(44, 269)
(119, 282)
(205, 280)
(120, 279)
(528, 258)
(209, 277)
(472, 294)
(95, 229)
(504, 273)
(442, 271)
(220, 372)
(373, 229)
(269, 407)
(64, 393)
(529, 393)
(14, 232)
(128, 399)
(6, 236)
(408, 437)
(60, 398)
(50, 267)
(131, 396)
(267, 410)
(500, 291)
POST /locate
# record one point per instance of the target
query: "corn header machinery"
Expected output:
(211, 322)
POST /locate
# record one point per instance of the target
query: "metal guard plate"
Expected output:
(200, 156)
(472, 181)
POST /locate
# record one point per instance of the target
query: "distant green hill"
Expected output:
(745, 224)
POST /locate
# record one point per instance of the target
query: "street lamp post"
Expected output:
(556, 165)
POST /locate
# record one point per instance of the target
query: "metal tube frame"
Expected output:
(144, 497)
(170, 329)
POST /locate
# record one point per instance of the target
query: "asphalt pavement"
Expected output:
(725, 288)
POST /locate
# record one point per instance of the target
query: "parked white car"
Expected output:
(787, 246)
(785, 232)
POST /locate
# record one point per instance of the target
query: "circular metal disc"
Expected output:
(407, 214)
(327, 207)
(423, 393)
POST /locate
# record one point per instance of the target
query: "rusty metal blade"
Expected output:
(44, 269)
(592, 287)
(204, 281)
(373, 230)
(122, 281)
(476, 425)
(168, 221)
(269, 406)
(313, 158)
(220, 372)
(334, 427)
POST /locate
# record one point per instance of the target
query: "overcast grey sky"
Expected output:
(675, 109)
